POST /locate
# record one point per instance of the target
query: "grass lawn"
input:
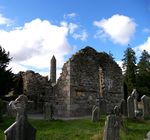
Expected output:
(82, 129)
(137, 129)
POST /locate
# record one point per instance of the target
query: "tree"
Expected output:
(111, 55)
(129, 67)
(143, 73)
(6, 76)
(144, 63)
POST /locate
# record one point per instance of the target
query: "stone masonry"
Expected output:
(86, 77)
(37, 88)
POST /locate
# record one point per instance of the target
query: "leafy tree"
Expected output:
(129, 67)
(6, 76)
(143, 73)
(111, 55)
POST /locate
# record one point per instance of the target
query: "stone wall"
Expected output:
(113, 92)
(36, 87)
(86, 77)
(84, 82)
(62, 93)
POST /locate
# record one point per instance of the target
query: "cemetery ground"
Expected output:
(83, 129)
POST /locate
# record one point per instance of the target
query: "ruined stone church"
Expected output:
(88, 77)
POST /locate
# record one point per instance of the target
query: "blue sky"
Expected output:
(33, 30)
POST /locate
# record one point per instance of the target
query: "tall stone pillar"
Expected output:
(53, 70)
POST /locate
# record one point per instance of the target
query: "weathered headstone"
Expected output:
(146, 106)
(95, 114)
(112, 127)
(119, 118)
(148, 135)
(123, 107)
(11, 111)
(135, 96)
(117, 111)
(48, 111)
(130, 106)
(102, 104)
(21, 129)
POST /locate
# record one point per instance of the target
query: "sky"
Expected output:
(32, 31)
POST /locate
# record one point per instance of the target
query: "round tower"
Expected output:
(53, 70)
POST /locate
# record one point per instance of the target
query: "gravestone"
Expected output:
(102, 104)
(95, 113)
(130, 106)
(123, 107)
(148, 135)
(117, 111)
(146, 106)
(112, 127)
(10, 110)
(135, 96)
(48, 111)
(21, 129)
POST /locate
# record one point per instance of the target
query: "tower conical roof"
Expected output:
(53, 58)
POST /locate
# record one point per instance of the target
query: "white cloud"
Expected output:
(144, 46)
(17, 67)
(146, 30)
(71, 26)
(118, 28)
(75, 30)
(4, 20)
(120, 63)
(82, 36)
(70, 15)
(34, 44)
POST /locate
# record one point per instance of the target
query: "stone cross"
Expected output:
(130, 106)
(146, 106)
(21, 129)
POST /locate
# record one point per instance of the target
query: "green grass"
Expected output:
(65, 130)
(4, 125)
(137, 129)
(82, 129)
